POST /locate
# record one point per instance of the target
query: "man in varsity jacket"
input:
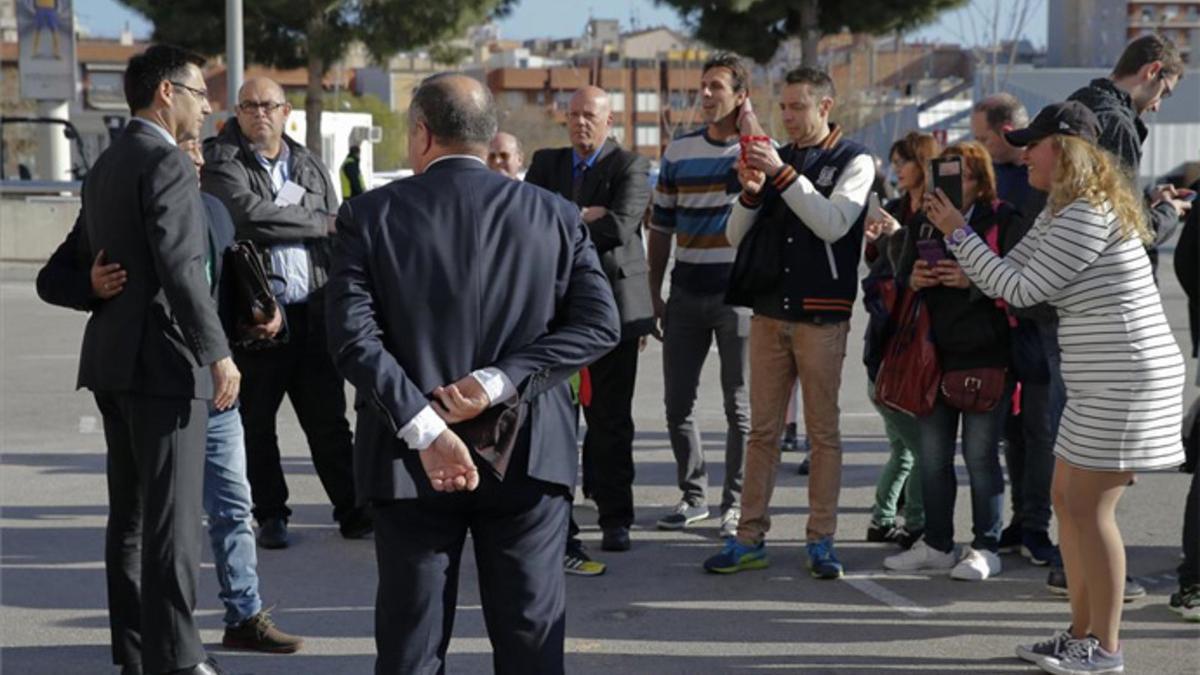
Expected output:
(798, 226)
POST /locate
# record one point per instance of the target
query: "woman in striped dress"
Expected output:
(1123, 370)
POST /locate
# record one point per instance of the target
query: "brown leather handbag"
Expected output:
(908, 376)
(974, 390)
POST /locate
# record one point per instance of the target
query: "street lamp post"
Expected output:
(235, 62)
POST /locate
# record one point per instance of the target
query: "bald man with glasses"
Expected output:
(282, 198)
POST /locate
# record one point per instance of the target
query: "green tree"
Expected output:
(755, 28)
(316, 33)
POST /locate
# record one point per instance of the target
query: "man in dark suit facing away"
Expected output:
(610, 186)
(154, 355)
(461, 297)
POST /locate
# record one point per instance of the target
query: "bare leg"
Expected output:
(1093, 507)
(1068, 546)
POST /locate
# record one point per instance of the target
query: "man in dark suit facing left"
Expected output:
(153, 356)
(462, 297)
(610, 186)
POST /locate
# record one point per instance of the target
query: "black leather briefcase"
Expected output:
(252, 297)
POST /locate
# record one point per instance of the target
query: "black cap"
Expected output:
(1070, 118)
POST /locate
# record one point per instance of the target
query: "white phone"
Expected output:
(874, 208)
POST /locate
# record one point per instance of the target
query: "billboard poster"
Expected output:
(47, 49)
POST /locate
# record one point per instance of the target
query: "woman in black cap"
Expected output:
(1124, 373)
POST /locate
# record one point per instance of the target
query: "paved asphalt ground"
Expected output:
(655, 611)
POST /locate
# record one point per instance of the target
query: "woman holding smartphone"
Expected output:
(971, 338)
(910, 156)
(1124, 373)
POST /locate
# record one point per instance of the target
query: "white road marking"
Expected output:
(898, 602)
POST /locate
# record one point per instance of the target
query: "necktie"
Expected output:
(577, 182)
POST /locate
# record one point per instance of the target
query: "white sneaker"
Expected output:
(976, 565)
(919, 557)
(729, 522)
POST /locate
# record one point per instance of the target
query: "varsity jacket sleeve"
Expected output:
(830, 219)
(742, 217)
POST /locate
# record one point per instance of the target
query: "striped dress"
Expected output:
(1122, 368)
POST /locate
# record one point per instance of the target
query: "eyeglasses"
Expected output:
(267, 107)
(198, 93)
(1167, 90)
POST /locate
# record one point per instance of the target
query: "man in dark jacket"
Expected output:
(1186, 602)
(798, 225)
(1147, 72)
(281, 197)
(67, 281)
(610, 186)
(1029, 432)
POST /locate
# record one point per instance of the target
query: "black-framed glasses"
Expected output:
(1167, 89)
(198, 93)
(267, 107)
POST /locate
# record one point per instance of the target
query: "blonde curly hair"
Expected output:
(1086, 171)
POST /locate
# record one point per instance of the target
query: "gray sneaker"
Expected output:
(1084, 657)
(1034, 653)
(683, 515)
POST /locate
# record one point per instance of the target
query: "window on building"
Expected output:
(648, 135)
(618, 133)
(1147, 14)
(682, 100)
(617, 97)
(562, 99)
(647, 101)
(105, 89)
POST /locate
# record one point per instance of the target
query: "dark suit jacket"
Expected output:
(141, 205)
(456, 269)
(619, 182)
(65, 280)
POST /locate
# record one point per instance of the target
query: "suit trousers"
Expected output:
(608, 470)
(518, 529)
(303, 369)
(154, 535)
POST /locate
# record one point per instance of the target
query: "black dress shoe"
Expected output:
(272, 533)
(804, 467)
(209, 667)
(615, 539)
(356, 524)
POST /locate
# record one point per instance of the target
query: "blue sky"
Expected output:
(561, 18)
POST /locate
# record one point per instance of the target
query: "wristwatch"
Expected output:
(960, 235)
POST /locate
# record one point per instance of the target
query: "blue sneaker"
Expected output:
(822, 562)
(735, 557)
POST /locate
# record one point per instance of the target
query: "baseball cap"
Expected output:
(1070, 118)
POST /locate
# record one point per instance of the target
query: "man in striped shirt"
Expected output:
(697, 186)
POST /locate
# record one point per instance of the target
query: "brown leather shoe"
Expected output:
(258, 633)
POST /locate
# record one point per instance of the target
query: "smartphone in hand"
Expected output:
(931, 251)
(946, 174)
(874, 208)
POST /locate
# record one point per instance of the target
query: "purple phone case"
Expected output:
(930, 252)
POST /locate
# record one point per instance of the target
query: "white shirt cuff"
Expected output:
(497, 385)
(423, 429)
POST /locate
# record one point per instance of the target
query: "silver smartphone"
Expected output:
(874, 208)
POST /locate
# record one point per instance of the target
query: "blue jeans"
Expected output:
(939, 485)
(227, 503)
(1058, 388)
